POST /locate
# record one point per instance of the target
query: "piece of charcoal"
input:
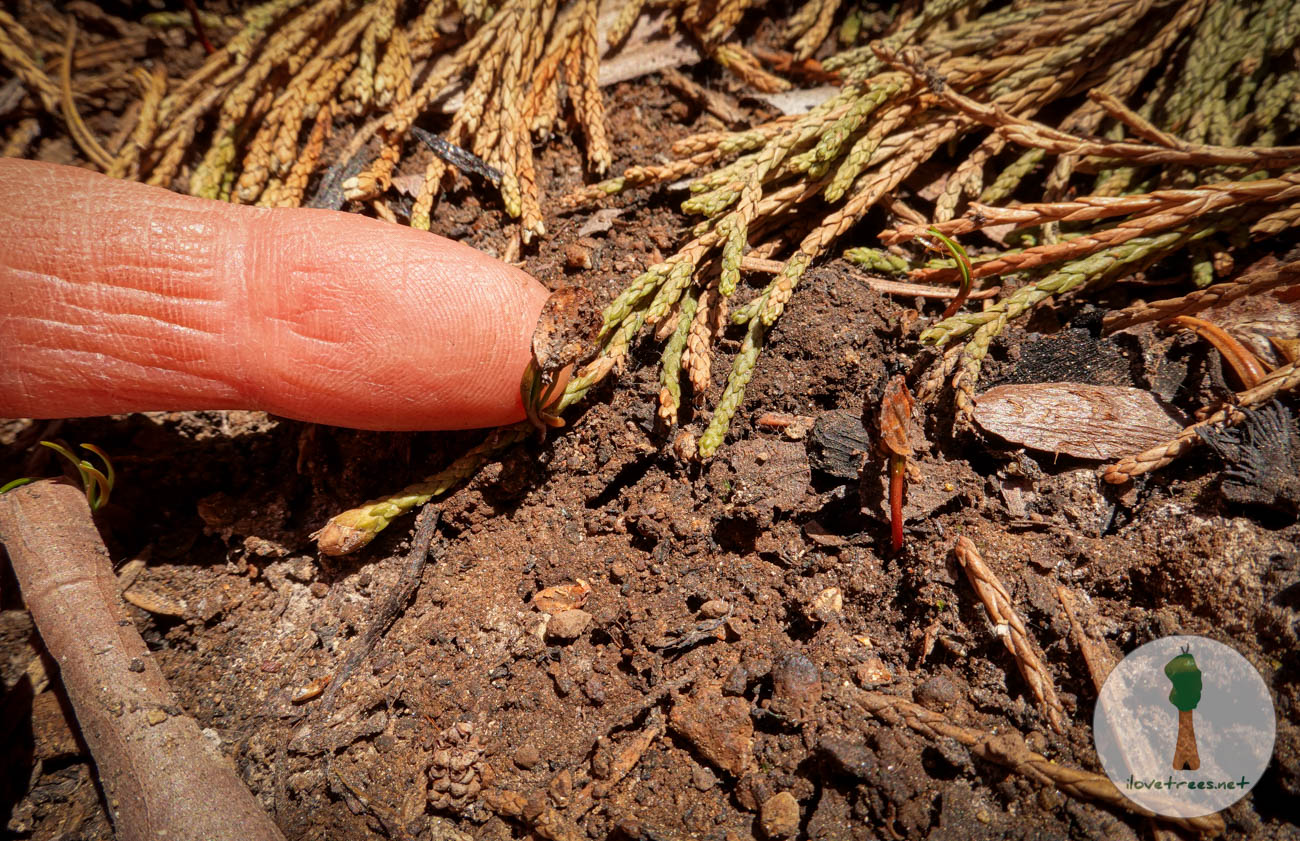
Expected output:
(462, 159)
(329, 193)
(1260, 457)
(1069, 355)
(838, 444)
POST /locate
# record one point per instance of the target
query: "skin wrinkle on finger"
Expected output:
(52, 348)
(360, 318)
(126, 273)
(311, 314)
(83, 386)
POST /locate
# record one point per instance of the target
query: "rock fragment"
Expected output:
(719, 728)
(796, 685)
(780, 816)
(567, 626)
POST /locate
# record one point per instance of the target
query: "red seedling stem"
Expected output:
(897, 478)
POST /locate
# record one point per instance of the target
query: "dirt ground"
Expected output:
(737, 609)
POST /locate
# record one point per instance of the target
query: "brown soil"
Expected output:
(708, 604)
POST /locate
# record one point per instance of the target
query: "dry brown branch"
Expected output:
(1008, 749)
(940, 372)
(394, 126)
(1129, 72)
(1249, 283)
(1040, 136)
(588, 106)
(1091, 645)
(810, 40)
(1277, 221)
(710, 320)
(742, 62)
(622, 25)
(423, 205)
(1055, 252)
(89, 145)
(161, 777)
(16, 52)
(290, 193)
(968, 179)
(20, 138)
(1174, 207)
(1283, 378)
(153, 88)
(1141, 126)
(1011, 628)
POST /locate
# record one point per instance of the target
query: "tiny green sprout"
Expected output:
(16, 483)
(1186, 679)
(98, 483)
(963, 265)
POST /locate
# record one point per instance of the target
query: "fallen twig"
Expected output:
(1011, 628)
(1249, 283)
(1040, 136)
(1151, 211)
(1008, 749)
(1095, 653)
(392, 606)
(620, 767)
(1283, 378)
(161, 777)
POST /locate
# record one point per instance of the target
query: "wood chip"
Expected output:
(562, 597)
(799, 101)
(600, 221)
(1085, 421)
(155, 602)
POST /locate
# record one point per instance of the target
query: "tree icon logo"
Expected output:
(1184, 726)
(1185, 695)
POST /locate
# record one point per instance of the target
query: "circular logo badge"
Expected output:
(1184, 726)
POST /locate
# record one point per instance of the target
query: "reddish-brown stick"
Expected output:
(162, 778)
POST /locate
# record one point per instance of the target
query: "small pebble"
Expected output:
(827, 605)
(796, 682)
(780, 815)
(714, 609)
(703, 778)
(527, 757)
(737, 681)
(872, 672)
(850, 758)
(938, 693)
(136, 665)
(594, 689)
(576, 257)
(320, 589)
(567, 625)
(720, 729)
(301, 569)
